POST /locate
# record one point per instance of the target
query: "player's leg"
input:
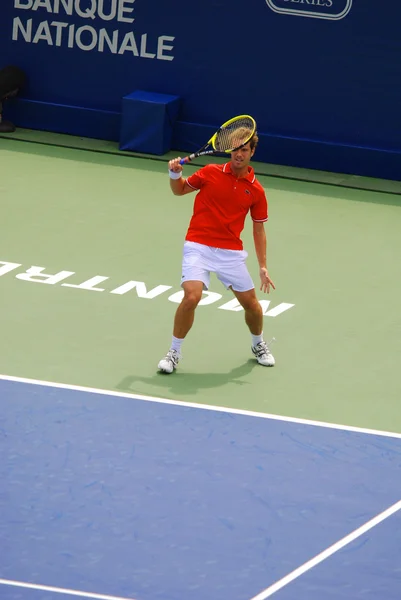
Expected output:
(234, 274)
(183, 321)
(185, 313)
(253, 311)
(195, 278)
(254, 320)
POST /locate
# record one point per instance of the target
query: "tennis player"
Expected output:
(226, 193)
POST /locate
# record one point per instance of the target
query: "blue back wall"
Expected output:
(321, 77)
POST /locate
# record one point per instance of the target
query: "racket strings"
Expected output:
(234, 135)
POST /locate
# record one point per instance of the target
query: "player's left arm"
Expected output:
(259, 215)
(260, 241)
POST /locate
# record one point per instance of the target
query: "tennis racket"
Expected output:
(229, 137)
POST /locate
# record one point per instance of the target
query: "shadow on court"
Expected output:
(190, 383)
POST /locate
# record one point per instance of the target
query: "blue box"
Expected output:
(147, 122)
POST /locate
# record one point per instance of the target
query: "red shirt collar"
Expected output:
(251, 173)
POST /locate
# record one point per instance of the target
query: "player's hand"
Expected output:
(265, 281)
(174, 165)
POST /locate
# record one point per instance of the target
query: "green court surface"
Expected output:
(333, 253)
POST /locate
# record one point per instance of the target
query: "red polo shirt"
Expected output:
(221, 205)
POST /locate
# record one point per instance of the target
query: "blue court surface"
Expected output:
(108, 495)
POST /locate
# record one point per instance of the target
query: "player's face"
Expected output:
(241, 158)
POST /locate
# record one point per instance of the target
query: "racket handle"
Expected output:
(187, 159)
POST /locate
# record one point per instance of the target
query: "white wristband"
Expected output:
(174, 175)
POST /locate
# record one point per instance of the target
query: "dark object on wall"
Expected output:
(12, 80)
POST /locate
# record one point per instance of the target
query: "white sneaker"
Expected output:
(263, 354)
(169, 362)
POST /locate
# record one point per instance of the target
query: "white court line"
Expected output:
(327, 553)
(263, 595)
(56, 590)
(282, 582)
(234, 411)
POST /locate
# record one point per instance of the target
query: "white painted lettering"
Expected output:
(7, 267)
(89, 284)
(233, 305)
(176, 297)
(35, 275)
(280, 308)
(141, 289)
(209, 297)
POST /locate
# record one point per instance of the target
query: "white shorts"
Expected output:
(229, 265)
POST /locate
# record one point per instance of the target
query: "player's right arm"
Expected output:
(178, 186)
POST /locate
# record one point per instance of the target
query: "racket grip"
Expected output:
(187, 159)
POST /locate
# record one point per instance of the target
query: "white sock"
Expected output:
(176, 343)
(256, 339)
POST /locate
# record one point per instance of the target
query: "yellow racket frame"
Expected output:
(213, 139)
